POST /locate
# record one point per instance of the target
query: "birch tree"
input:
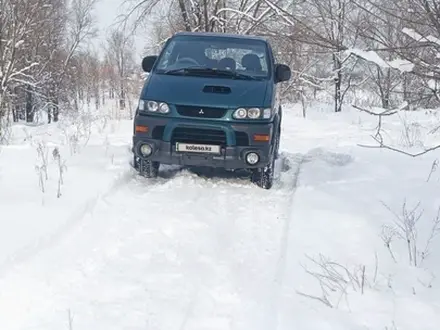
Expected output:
(120, 56)
(80, 28)
(17, 21)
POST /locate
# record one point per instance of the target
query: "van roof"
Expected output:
(219, 34)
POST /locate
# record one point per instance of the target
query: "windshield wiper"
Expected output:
(178, 70)
(234, 74)
(218, 72)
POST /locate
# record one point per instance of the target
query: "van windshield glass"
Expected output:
(215, 56)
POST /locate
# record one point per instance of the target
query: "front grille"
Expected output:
(242, 139)
(198, 135)
(200, 112)
(158, 132)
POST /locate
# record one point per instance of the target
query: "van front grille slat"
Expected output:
(198, 136)
(200, 112)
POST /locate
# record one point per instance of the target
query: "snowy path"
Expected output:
(47, 241)
(167, 253)
(185, 252)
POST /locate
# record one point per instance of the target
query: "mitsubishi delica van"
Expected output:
(210, 100)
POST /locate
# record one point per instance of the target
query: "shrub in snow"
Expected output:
(336, 280)
(61, 166)
(404, 227)
(42, 165)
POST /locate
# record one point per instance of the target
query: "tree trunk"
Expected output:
(15, 113)
(122, 95)
(56, 110)
(338, 82)
(405, 87)
(29, 105)
(386, 103)
(205, 15)
(75, 104)
(184, 15)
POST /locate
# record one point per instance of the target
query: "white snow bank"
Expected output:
(38, 218)
(195, 252)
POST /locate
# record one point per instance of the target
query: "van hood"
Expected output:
(206, 91)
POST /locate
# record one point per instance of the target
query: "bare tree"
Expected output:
(120, 56)
(407, 31)
(16, 23)
(80, 29)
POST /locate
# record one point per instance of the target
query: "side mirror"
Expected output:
(148, 62)
(282, 73)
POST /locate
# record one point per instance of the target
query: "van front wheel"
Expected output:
(277, 144)
(263, 177)
(147, 168)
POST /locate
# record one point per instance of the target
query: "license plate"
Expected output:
(198, 148)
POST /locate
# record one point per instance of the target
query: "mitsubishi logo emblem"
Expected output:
(201, 112)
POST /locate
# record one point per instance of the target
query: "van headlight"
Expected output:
(164, 108)
(240, 113)
(153, 106)
(252, 113)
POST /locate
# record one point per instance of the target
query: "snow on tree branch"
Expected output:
(418, 37)
(373, 57)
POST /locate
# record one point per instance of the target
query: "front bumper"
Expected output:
(233, 151)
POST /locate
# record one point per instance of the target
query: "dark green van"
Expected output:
(210, 100)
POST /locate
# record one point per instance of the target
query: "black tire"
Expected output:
(278, 137)
(263, 177)
(136, 162)
(277, 144)
(146, 168)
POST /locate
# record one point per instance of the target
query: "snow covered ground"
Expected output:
(192, 252)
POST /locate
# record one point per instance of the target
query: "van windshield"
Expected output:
(242, 58)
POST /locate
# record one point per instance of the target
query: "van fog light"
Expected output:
(252, 158)
(146, 150)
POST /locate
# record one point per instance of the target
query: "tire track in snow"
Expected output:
(195, 309)
(215, 289)
(286, 181)
(54, 247)
(190, 309)
(272, 319)
(74, 220)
